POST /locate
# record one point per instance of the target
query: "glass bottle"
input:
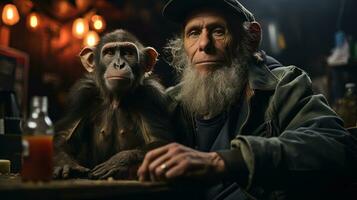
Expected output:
(37, 143)
(347, 106)
(10, 119)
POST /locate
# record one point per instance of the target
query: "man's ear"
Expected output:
(151, 58)
(255, 31)
(87, 58)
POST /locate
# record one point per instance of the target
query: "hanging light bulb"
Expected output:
(33, 20)
(91, 39)
(98, 23)
(80, 27)
(10, 15)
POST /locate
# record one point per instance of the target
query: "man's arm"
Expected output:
(311, 142)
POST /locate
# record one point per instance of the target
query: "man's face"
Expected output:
(207, 40)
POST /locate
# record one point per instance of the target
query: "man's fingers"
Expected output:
(153, 154)
(157, 167)
(143, 171)
(167, 162)
(176, 165)
(177, 170)
(143, 175)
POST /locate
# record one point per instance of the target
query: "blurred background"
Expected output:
(41, 39)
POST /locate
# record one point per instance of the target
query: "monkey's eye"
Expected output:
(128, 51)
(109, 51)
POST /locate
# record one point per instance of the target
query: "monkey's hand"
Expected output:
(122, 165)
(66, 167)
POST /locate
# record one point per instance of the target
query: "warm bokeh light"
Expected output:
(281, 41)
(10, 15)
(91, 39)
(98, 23)
(80, 27)
(33, 20)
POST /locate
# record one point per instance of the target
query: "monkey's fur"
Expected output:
(105, 134)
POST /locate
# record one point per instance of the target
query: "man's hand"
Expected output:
(65, 167)
(122, 165)
(177, 161)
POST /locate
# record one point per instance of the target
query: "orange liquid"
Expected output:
(38, 165)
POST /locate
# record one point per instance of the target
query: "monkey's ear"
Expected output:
(151, 55)
(87, 58)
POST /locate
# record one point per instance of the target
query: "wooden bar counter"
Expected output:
(11, 187)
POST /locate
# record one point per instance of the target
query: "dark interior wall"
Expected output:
(308, 27)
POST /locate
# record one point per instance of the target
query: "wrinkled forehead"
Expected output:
(210, 15)
(206, 16)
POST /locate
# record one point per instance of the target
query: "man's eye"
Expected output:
(193, 33)
(218, 32)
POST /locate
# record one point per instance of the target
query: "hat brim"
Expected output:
(178, 10)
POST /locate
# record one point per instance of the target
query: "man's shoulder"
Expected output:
(279, 70)
(291, 77)
(287, 71)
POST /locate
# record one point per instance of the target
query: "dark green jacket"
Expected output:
(289, 139)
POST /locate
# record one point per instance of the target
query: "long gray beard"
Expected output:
(210, 94)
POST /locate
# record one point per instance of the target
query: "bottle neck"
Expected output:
(350, 92)
(350, 89)
(39, 105)
(38, 122)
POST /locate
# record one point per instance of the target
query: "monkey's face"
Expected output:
(120, 62)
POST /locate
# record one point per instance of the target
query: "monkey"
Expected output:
(116, 112)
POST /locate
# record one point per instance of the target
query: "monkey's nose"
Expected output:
(122, 66)
(116, 65)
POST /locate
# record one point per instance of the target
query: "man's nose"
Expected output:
(205, 43)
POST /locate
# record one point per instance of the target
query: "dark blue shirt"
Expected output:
(208, 130)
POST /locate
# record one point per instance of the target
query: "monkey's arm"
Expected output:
(122, 165)
(155, 129)
(65, 165)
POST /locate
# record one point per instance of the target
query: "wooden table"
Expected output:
(11, 187)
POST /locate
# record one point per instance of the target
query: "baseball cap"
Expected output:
(178, 10)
